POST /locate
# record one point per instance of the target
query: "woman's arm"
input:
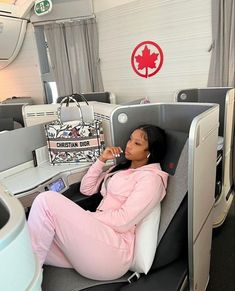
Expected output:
(91, 181)
(149, 190)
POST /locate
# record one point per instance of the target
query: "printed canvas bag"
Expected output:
(74, 141)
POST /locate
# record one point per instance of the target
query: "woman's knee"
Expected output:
(46, 196)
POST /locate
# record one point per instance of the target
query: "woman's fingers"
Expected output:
(116, 151)
(113, 151)
(110, 153)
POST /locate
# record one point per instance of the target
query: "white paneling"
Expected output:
(22, 76)
(100, 5)
(181, 27)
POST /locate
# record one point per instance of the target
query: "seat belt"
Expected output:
(134, 277)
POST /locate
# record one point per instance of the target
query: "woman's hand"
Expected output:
(110, 153)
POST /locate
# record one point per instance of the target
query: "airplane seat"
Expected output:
(105, 97)
(170, 264)
(9, 124)
(11, 116)
(225, 170)
(19, 100)
(4, 215)
(16, 257)
(6, 124)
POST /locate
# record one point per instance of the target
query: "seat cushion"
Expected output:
(62, 279)
(146, 241)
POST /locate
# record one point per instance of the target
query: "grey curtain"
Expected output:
(222, 66)
(74, 53)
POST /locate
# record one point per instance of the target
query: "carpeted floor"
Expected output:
(222, 271)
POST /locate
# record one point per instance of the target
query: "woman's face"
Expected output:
(137, 146)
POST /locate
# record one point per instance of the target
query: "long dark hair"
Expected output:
(156, 137)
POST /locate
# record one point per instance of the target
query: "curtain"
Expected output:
(222, 66)
(74, 53)
(58, 56)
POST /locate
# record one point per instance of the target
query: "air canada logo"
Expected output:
(147, 59)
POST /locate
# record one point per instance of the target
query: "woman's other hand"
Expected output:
(110, 153)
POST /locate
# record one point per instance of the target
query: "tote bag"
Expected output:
(74, 141)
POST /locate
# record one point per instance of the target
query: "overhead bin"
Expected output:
(13, 24)
(12, 33)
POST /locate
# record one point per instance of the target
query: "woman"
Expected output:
(99, 245)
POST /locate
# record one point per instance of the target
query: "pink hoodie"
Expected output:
(128, 196)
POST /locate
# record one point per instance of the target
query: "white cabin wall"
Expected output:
(22, 77)
(100, 5)
(181, 27)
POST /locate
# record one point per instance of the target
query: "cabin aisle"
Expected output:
(223, 255)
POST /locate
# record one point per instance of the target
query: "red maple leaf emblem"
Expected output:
(146, 60)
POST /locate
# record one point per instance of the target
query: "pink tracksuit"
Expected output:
(99, 245)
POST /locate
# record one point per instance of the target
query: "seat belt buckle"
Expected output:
(134, 277)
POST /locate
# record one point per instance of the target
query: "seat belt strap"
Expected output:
(134, 277)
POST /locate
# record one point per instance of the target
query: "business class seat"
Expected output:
(19, 267)
(105, 97)
(9, 124)
(225, 174)
(11, 116)
(170, 266)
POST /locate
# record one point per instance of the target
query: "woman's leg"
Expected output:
(55, 257)
(91, 247)
(41, 227)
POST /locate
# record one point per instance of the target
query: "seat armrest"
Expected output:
(89, 202)
(86, 202)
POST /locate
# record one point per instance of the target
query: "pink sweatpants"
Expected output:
(65, 235)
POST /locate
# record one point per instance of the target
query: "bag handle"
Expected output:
(82, 97)
(66, 100)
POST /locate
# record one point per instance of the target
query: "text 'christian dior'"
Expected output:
(72, 144)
